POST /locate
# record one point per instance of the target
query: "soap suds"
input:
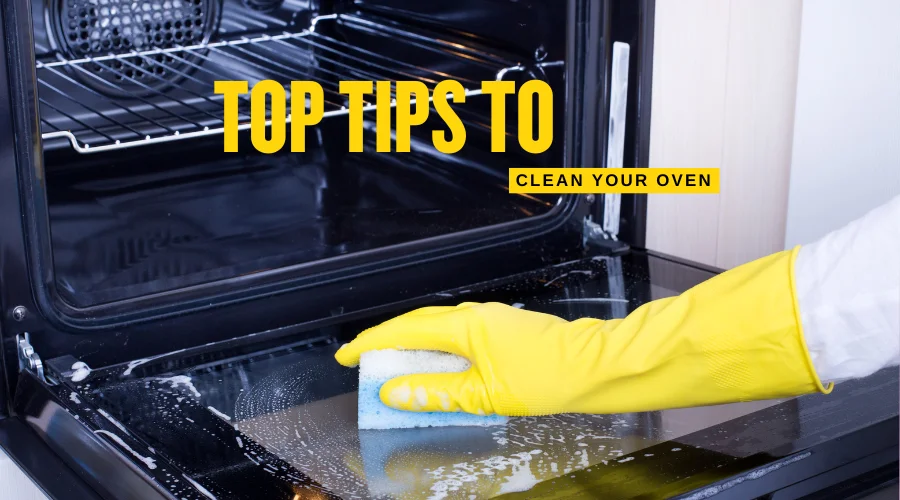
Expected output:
(239, 442)
(421, 397)
(179, 380)
(74, 398)
(112, 420)
(584, 463)
(218, 413)
(518, 305)
(149, 462)
(134, 364)
(445, 400)
(400, 395)
(80, 371)
(521, 479)
(322, 437)
(200, 488)
(715, 490)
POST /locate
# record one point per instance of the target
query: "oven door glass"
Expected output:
(282, 422)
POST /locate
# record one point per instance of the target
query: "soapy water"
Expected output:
(751, 476)
(138, 362)
(80, 371)
(149, 462)
(302, 408)
(180, 380)
(321, 439)
(112, 420)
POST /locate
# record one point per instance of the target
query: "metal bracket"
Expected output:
(29, 359)
(594, 232)
(595, 236)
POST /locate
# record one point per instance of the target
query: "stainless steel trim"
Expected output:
(616, 143)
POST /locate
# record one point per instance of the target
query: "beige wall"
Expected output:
(724, 84)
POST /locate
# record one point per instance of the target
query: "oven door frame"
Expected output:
(35, 290)
(130, 330)
(56, 447)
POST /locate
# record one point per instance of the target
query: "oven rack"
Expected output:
(94, 121)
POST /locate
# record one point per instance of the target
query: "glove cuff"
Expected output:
(796, 306)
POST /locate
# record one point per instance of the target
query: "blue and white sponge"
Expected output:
(377, 367)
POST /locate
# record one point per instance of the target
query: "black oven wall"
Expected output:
(142, 200)
(526, 25)
(353, 284)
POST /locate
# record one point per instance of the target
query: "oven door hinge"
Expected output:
(595, 236)
(29, 359)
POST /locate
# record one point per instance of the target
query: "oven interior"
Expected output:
(142, 199)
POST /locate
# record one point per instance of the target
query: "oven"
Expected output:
(171, 310)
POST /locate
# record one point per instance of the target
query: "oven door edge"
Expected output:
(63, 456)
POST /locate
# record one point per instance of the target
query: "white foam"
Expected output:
(149, 462)
(138, 362)
(390, 363)
(180, 380)
(521, 479)
(134, 364)
(112, 420)
(752, 476)
(81, 371)
(74, 398)
(200, 488)
(218, 413)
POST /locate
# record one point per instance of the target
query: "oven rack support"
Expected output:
(185, 112)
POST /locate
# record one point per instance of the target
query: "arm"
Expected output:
(767, 329)
(848, 289)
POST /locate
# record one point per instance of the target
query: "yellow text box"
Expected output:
(614, 180)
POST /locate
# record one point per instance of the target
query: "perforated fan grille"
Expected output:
(90, 28)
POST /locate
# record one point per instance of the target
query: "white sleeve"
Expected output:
(848, 290)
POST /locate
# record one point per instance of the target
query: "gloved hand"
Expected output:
(736, 337)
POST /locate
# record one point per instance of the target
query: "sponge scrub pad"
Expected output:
(377, 367)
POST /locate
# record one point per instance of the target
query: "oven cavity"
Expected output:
(145, 203)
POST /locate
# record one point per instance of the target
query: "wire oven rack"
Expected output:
(94, 121)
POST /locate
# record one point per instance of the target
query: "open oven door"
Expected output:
(230, 390)
(274, 416)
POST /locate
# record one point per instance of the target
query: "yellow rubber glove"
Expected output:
(736, 337)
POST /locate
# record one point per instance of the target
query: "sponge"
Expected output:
(377, 367)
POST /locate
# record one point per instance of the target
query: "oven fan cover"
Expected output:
(93, 28)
